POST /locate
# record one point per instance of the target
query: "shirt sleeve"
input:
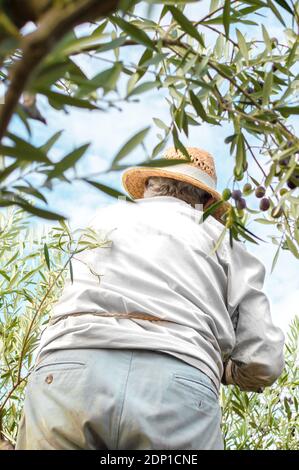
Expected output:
(257, 359)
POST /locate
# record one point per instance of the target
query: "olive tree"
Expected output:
(209, 70)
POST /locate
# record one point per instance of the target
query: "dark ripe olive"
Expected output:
(284, 161)
(236, 194)
(260, 191)
(291, 184)
(241, 204)
(264, 204)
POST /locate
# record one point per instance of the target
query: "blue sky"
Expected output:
(107, 132)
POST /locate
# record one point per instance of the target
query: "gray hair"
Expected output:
(160, 186)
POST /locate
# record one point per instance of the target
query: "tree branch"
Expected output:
(53, 26)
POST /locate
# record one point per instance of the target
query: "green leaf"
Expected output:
(60, 100)
(286, 111)
(71, 272)
(244, 235)
(254, 181)
(242, 227)
(210, 210)
(23, 150)
(31, 190)
(275, 259)
(242, 45)
(107, 190)
(276, 12)
(143, 87)
(38, 211)
(186, 25)
(219, 241)
(226, 17)
(292, 246)
(130, 145)
(285, 5)
(47, 257)
(160, 124)
(4, 274)
(178, 144)
(8, 170)
(20, 153)
(292, 54)
(267, 39)
(135, 33)
(241, 154)
(50, 142)
(265, 221)
(107, 79)
(267, 88)
(200, 109)
(68, 161)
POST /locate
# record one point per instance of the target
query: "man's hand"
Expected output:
(231, 377)
(227, 378)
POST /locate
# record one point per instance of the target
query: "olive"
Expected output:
(276, 212)
(291, 184)
(226, 194)
(260, 191)
(264, 204)
(241, 204)
(236, 194)
(284, 161)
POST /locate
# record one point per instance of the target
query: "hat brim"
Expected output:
(134, 180)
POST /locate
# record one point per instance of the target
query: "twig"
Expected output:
(54, 25)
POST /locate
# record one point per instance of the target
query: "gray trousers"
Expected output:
(119, 399)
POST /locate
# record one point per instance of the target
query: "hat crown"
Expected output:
(199, 158)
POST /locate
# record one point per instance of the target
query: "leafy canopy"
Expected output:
(211, 68)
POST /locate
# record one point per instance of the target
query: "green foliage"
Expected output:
(231, 77)
(269, 420)
(33, 271)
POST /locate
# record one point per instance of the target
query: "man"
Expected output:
(135, 360)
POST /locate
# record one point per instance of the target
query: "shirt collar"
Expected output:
(161, 199)
(170, 199)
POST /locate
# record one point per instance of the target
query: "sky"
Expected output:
(108, 131)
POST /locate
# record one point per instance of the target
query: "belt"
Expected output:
(137, 315)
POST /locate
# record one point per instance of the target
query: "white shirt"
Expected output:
(211, 305)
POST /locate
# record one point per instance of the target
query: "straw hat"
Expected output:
(199, 171)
